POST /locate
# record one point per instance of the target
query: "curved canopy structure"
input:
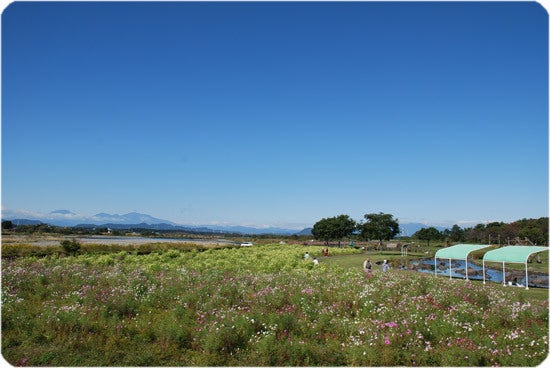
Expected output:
(511, 254)
(458, 251)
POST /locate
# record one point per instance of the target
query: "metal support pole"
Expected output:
(526, 278)
(450, 268)
(466, 260)
(503, 275)
(483, 272)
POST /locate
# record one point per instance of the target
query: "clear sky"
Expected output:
(276, 113)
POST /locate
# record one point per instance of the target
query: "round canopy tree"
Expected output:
(381, 226)
(430, 233)
(333, 228)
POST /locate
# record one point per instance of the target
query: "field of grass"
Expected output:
(355, 261)
(258, 306)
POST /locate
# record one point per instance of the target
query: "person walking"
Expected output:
(385, 266)
(367, 267)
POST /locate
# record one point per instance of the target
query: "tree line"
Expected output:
(43, 228)
(525, 231)
(382, 226)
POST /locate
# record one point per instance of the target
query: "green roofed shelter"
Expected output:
(512, 254)
(458, 251)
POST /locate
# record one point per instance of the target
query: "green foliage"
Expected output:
(257, 306)
(381, 226)
(456, 234)
(333, 228)
(535, 230)
(71, 246)
(37, 228)
(523, 231)
(25, 250)
(430, 233)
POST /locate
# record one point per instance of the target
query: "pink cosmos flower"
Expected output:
(386, 340)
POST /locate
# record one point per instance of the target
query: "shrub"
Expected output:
(71, 246)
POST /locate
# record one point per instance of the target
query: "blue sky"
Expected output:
(276, 113)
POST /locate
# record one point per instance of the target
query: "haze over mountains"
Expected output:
(132, 219)
(65, 217)
(69, 218)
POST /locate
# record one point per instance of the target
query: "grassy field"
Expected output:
(258, 306)
(355, 261)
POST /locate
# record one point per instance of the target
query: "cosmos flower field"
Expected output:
(257, 306)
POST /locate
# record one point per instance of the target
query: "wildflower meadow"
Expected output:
(257, 306)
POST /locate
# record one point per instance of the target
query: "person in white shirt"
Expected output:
(385, 266)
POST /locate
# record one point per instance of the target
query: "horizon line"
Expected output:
(58, 215)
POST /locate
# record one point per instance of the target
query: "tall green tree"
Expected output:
(333, 228)
(322, 230)
(533, 233)
(430, 233)
(381, 226)
(343, 226)
(456, 234)
(476, 234)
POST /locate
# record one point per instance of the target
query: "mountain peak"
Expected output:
(135, 219)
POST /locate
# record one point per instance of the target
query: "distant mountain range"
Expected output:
(306, 231)
(135, 220)
(132, 220)
(69, 218)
